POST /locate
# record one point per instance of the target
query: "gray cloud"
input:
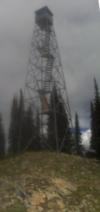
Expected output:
(77, 25)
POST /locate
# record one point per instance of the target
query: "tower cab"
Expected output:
(44, 18)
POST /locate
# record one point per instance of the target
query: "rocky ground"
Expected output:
(49, 182)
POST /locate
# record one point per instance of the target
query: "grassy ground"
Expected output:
(49, 182)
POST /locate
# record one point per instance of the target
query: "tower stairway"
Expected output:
(48, 74)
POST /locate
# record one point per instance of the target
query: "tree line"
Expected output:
(24, 132)
(95, 120)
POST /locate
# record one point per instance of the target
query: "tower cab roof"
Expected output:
(44, 10)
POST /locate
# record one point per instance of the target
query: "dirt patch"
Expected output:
(37, 200)
(64, 186)
(52, 197)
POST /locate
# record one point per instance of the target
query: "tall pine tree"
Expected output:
(59, 135)
(93, 143)
(14, 126)
(78, 145)
(21, 118)
(28, 130)
(2, 138)
(37, 133)
(95, 120)
(52, 122)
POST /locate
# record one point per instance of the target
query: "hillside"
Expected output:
(48, 182)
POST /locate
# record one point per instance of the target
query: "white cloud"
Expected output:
(86, 137)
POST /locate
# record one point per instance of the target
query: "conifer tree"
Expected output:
(13, 129)
(64, 133)
(21, 119)
(77, 136)
(37, 133)
(2, 138)
(31, 131)
(93, 143)
(52, 122)
(58, 126)
(95, 120)
(28, 130)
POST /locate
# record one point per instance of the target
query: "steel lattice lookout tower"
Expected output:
(45, 71)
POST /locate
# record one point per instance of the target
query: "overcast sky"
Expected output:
(77, 26)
